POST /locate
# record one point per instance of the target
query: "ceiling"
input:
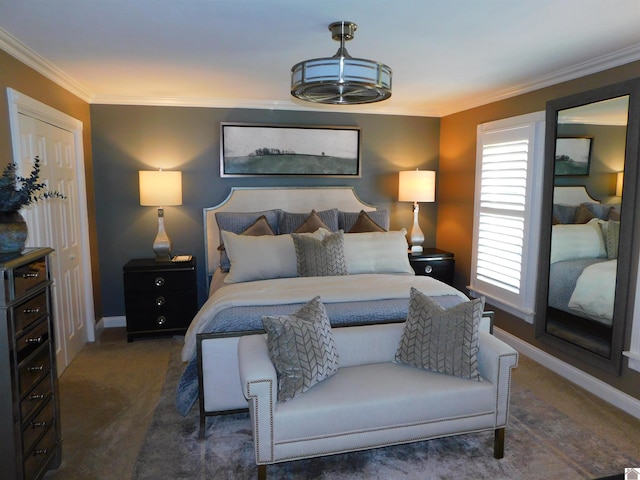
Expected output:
(446, 55)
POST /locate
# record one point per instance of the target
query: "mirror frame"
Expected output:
(627, 272)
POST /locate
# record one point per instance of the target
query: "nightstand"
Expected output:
(435, 263)
(160, 297)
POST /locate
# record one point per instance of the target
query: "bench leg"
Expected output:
(498, 443)
(262, 472)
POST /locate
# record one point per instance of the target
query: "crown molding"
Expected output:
(20, 51)
(595, 65)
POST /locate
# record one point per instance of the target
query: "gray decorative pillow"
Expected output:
(564, 213)
(441, 340)
(239, 222)
(291, 222)
(352, 222)
(320, 258)
(302, 348)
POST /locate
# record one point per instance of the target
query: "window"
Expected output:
(510, 159)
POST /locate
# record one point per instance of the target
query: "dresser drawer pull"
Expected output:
(32, 274)
(35, 368)
(428, 269)
(159, 281)
(161, 320)
(40, 451)
(160, 301)
(39, 339)
(36, 396)
(29, 311)
(38, 424)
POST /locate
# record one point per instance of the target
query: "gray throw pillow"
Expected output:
(293, 222)
(320, 258)
(356, 222)
(302, 348)
(441, 340)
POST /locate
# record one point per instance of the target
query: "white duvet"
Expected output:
(595, 291)
(283, 291)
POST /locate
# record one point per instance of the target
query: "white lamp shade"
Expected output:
(160, 188)
(417, 186)
(619, 182)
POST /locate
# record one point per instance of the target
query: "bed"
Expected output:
(583, 263)
(263, 264)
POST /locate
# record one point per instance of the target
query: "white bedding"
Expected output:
(283, 291)
(595, 291)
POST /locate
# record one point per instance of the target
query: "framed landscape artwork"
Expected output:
(573, 156)
(249, 150)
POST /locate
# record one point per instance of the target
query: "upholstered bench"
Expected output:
(371, 400)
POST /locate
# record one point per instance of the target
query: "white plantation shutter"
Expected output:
(507, 204)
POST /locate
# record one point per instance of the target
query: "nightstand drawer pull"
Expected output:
(160, 301)
(159, 281)
(161, 320)
(428, 269)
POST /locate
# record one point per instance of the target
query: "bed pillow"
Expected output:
(584, 214)
(240, 222)
(259, 258)
(564, 213)
(441, 340)
(308, 222)
(320, 257)
(377, 252)
(570, 242)
(359, 222)
(598, 210)
(613, 239)
(301, 348)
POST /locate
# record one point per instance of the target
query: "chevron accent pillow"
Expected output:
(302, 348)
(441, 340)
(320, 258)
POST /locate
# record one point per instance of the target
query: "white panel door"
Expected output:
(56, 223)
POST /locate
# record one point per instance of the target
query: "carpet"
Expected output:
(541, 443)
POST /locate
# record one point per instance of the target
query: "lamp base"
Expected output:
(416, 249)
(416, 237)
(162, 244)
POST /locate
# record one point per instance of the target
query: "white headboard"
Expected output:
(290, 199)
(572, 195)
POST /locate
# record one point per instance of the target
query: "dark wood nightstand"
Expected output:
(435, 263)
(160, 297)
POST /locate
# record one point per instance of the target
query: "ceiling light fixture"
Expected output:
(341, 79)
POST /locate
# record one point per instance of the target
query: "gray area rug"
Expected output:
(541, 443)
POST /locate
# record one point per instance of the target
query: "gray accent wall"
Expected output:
(127, 139)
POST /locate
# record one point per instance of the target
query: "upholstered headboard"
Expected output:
(574, 195)
(291, 199)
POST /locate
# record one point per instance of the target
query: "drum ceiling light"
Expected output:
(341, 79)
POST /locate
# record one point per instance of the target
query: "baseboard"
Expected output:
(592, 384)
(113, 322)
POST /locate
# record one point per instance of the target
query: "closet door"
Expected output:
(56, 223)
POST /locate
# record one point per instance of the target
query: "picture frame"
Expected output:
(573, 156)
(256, 150)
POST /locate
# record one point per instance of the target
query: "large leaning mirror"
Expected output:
(588, 269)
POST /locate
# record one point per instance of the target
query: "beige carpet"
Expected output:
(109, 394)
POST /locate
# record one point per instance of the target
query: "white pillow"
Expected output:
(259, 258)
(262, 257)
(572, 241)
(377, 252)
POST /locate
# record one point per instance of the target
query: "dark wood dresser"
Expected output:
(31, 441)
(161, 298)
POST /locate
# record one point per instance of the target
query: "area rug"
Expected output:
(541, 443)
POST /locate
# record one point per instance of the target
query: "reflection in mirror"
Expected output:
(587, 196)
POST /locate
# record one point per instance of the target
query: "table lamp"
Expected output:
(161, 189)
(417, 186)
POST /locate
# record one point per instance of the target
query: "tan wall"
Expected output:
(27, 81)
(457, 184)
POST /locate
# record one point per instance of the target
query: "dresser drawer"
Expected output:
(40, 394)
(42, 452)
(157, 321)
(28, 312)
(174, 302)
(34, 369)
(32, 339)
(157, 281)
(35, 428)
(29, 276)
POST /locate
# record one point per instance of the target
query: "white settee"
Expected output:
(372, 401)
